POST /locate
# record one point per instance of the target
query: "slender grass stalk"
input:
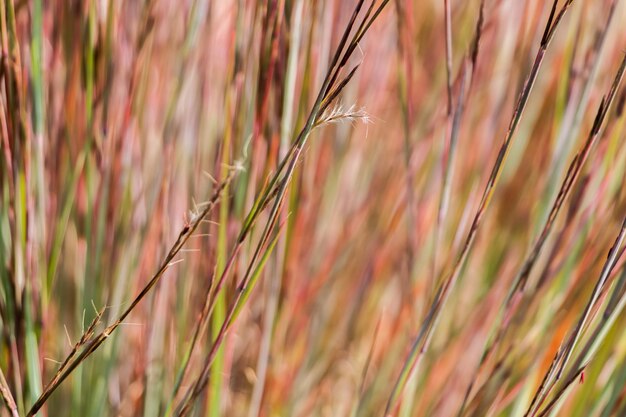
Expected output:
(5, 391)
(453, 124)
(420, 344)
(564, 353)
(217, 377)
(519, 283)
(93, 341)
(569, 127)
(325, 97)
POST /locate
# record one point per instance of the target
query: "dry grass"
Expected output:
(312, 208)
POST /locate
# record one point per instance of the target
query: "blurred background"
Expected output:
(119, 118)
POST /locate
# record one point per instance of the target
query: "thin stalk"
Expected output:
(94, 342)
(5, 391)
(325, 96)
(420, 344)
(563, 354)
(519, 282)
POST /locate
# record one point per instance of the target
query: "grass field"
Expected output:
(312, 208)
